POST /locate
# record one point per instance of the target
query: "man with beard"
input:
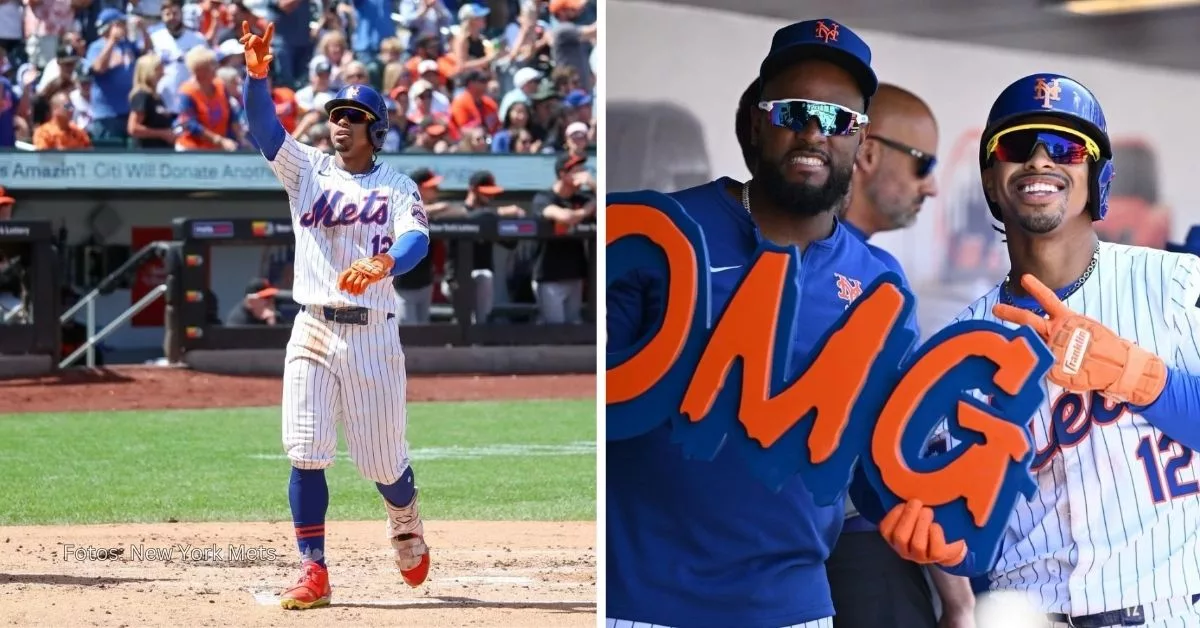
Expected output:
(172, 41)
(1108, 538)
(701, 543)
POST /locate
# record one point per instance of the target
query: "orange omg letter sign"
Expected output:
(861, 395)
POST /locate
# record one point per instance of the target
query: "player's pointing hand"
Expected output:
(1087, 355)
(258, 50)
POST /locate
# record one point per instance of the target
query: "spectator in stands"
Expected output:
(516, 122)
(415, 288)
(425, 20)
(468, 48)
(205, 121)
(429, 48)
(150, 122)
(525, 85)
(473, 140)
(578, 142)
(9, 102)
(355, 73)
(292, 45)
(374, 26)
(81, 97)
(59, 132)
(231, 78)
(172, 41)
(572, 42)
(397, 133)
(394, 75)
(319, 83)
(430, 138)
(12, 31)
(427, 102)
(238, 13)
(230, 54)
(562, 265)
(332, 48)
(258, 306)
(318, 137)
(70, 52)
(473, 107)
(546, 116)
(481, 191)
(45, 23)
(110, 60)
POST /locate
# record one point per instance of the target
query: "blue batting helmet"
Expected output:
(1058, 96)
(368, 100)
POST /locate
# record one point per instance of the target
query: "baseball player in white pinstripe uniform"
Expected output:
(1110, 537)
(357, 222)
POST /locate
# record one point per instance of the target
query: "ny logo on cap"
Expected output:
(1046, 91)
(825, 32)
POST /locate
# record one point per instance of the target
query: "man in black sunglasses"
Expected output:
(705, 542)
(1108, 538)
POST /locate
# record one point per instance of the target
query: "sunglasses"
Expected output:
(350, 114)
(1065, 146)
(925, 161)
(797, 114)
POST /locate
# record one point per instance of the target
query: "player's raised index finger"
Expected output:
(1044, 296)
(245, 28)
(269, 33)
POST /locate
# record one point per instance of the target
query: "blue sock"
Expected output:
(309, 496)
(400, 492)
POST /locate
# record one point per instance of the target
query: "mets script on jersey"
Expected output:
(340, 217)
(858, 389)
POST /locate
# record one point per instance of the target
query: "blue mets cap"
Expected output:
(824, 40)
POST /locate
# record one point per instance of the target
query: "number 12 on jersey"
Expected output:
(380, 244)
(1148, 452)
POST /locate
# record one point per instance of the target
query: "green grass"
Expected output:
(529, 460)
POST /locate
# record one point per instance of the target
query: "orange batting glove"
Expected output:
(910, 529)
(364, 272)
(1087, 355)
(258, 50)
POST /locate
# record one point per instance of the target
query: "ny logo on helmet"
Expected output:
(826, 32)
(1046, 91)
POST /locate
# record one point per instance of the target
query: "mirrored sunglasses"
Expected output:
(350, 114)
(1065, 146)
(925, 161)
(797, 114)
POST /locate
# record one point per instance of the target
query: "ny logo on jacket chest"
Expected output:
(336, 209)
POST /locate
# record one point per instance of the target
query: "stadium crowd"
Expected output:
(502, 76)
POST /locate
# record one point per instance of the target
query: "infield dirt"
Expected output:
(490, 573)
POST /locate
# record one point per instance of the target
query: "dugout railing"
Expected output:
(188, 327)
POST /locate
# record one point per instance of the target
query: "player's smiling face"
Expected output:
(1038, 194)
(806, 172)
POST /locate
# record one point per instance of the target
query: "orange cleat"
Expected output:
(312, 590)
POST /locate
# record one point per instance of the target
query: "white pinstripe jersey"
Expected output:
(1116, 517)
(339, 217)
